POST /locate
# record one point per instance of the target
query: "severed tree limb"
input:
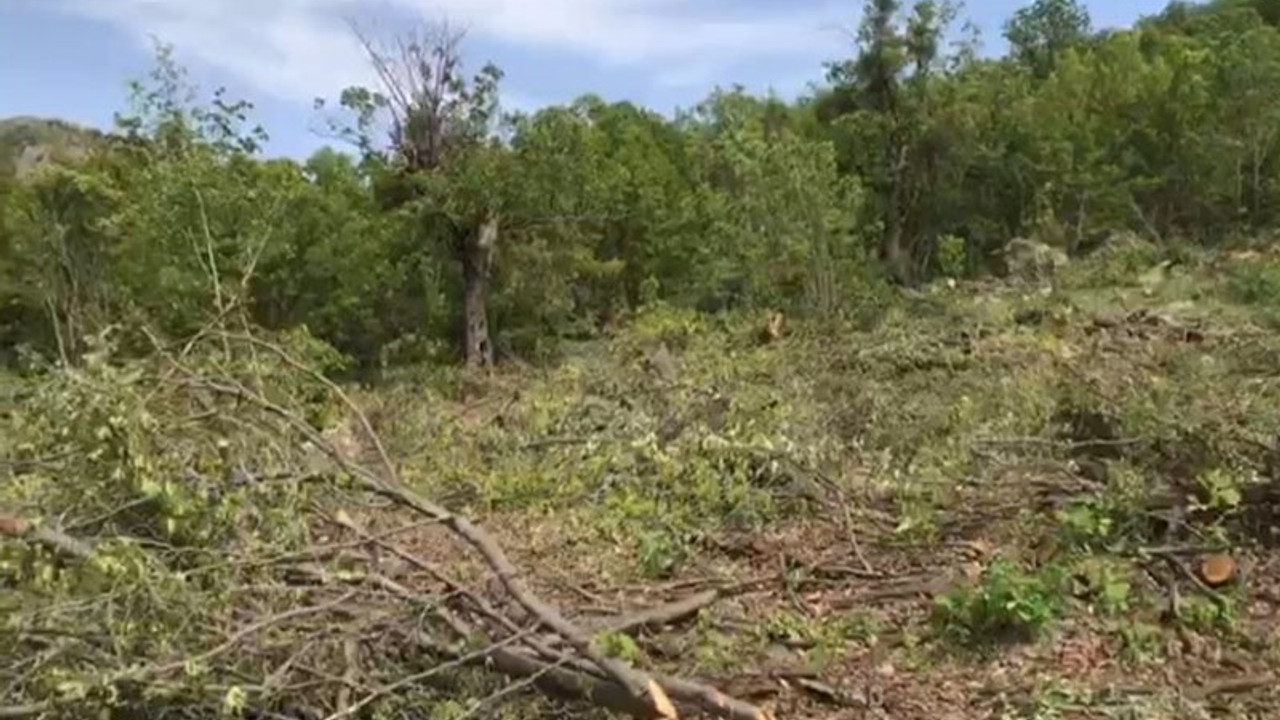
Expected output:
(351, 656)
(1234, 686)
(568, 684)
(56, 540)
(711, 700)
(484, 608)
(563, 678)
(655, 616)
(658, 615)
(578, 683)
(20, 712)
(456, 659)
(642, 687)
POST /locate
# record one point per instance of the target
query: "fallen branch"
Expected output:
(56, 540)
(479, 603)
(1236, 685)
(584, 686)
(577, 683)
(390, 688)
(568, 684)
(20, 712)
(249, 630)
(665, 614)
(563, 678)
(711, 700)
(641, 687)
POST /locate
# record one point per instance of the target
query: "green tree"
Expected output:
(1039, 33)
(888, 108)
(780, 220)
(442, 158)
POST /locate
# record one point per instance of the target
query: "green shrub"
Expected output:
(1007, 604)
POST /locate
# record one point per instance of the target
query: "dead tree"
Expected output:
(439, 122)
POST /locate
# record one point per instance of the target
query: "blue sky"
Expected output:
(72, 58)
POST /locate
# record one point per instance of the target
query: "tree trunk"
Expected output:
(477, 255)
(892, 251)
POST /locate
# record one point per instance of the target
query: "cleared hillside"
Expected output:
(1000, 501)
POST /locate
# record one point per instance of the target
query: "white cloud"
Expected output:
(301, 49)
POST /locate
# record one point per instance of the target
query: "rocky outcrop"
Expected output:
(28, 143)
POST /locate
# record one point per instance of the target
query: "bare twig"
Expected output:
(350, 656)
(565, 678)
(249, 630)
(459, 660)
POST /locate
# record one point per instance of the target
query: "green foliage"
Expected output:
(618, 645)
(1209, 614)
(1106, 584)
(1041, 32)
(951, 256)
(779, 218)
(1007, 604)
(917, 161)
(1255, 284)
(1091, 524)
(185, 496)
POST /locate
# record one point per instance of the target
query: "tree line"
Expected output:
(455, 231)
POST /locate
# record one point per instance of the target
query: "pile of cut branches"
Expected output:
(179, 537)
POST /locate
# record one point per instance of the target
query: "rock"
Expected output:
(1031, 260)
(661, 363)
(1124, 242)
(28, 144)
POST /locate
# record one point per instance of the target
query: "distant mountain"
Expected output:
(26, 143)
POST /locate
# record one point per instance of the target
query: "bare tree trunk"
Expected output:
(477, 256)
(892, 251)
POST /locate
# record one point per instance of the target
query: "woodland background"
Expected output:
(914, 160)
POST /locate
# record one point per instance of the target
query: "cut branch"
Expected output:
(576, 683)
(56, 540)
(21, 712)
(666, 614)
(642, 688)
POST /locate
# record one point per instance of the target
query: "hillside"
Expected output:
(998, 503)
(28, 142)
(1001, 501)
(950, 391)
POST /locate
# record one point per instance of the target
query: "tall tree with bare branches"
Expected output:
(440, 128)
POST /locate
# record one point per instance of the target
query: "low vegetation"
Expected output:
(949, 391)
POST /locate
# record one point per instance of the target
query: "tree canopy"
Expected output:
(446, 230)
